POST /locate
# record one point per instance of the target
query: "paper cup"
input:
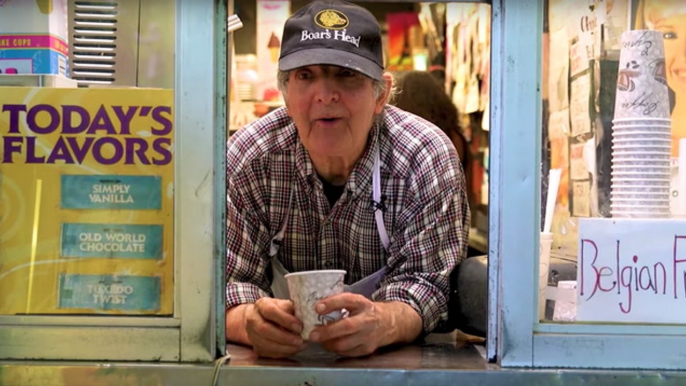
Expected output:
(621, 196)
(649, 123)
(655, 168)
(641, 135)
(546, 240)
(642, 126)
(649, 163)
(659, 121)
(641, 159)
(641, 43)
(641, 174)
(639, 132)
(659, 148)
(622, 154)
(645, 154)
(647, 159)
(637, 182)
(638, 189)
(654, 209)
(648, 139)
(306, 289)
(639, 215)
(641, 142)
(642, 78)
(647, 203)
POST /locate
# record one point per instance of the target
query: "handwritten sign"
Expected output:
(632, 270)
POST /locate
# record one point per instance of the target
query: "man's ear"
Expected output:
(383, 98)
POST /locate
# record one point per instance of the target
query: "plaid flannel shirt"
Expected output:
(269, 174)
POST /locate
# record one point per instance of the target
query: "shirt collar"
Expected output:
(360, 180)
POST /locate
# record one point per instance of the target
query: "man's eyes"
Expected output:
(344, 73)
(303, 75)
(347, 73)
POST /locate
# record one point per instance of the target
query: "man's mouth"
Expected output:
(328, 119)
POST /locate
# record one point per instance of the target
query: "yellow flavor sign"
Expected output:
(86, 201)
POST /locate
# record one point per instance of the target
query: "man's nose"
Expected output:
(327, 92)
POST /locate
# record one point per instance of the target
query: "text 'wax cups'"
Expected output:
(642, 79)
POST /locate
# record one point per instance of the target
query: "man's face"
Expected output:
(333, 109)
(673, 30)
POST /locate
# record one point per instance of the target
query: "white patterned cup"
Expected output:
(306, 289)
(642, 78)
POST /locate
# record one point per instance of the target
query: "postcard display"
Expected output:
(580, 76)
(86, 201)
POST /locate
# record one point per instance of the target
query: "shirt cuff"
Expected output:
(429, 303)
(242, 293)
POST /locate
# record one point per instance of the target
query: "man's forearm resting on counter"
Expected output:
(403, 323)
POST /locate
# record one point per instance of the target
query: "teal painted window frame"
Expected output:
(514, 221)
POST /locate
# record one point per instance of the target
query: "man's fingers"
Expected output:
(271, 332)
(279, 312)
(352, 302)
(338, 329)
(270, 349)
(270, 340)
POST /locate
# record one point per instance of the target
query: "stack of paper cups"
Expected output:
(641, 131)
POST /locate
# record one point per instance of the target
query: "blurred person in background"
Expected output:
(422, 94)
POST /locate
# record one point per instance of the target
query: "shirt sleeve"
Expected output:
(246, 235)
(428, 244)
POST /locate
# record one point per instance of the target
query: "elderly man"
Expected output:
(337, 179)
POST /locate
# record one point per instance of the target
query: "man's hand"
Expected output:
(271, 328)
(370, 325)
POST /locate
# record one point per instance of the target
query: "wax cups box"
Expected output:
(33, 37)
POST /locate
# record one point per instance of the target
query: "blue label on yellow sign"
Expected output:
(109, 292)
(111, 192)
(115, 241)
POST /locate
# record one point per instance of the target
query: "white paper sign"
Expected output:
(581, 198)
(632, 270)
(579, 105)
(577, 162)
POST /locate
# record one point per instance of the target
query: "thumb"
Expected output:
(285, 306)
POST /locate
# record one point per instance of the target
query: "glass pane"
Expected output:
(86, 166)
(614, 119)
